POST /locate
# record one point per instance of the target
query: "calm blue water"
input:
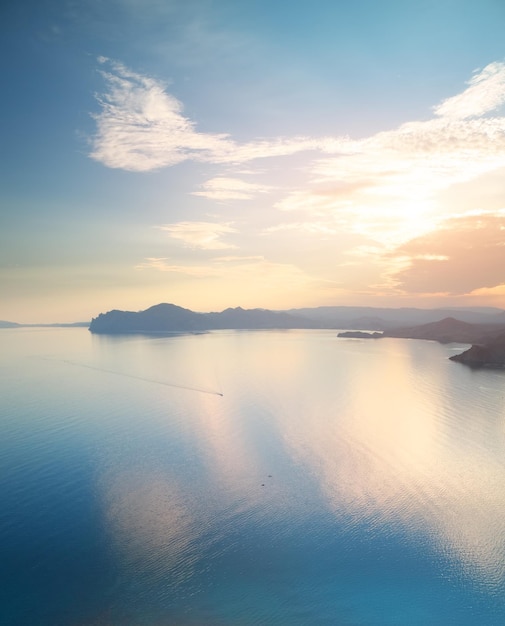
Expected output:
(340, 482)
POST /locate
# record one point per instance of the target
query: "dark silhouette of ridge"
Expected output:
(168, 318)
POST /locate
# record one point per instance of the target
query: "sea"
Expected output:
(232, 478)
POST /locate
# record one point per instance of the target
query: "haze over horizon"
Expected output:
(217, 154)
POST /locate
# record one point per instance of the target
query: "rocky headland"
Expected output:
(489, 354)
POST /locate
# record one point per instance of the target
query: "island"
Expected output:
(359, 334)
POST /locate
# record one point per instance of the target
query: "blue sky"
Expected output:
(271, 154)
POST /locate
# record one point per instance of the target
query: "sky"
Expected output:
(222, 153)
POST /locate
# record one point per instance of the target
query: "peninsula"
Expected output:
(169, 318)
(489, 354)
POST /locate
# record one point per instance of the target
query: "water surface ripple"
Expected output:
(290, 478)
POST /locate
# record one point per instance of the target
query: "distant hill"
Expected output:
(239, 318)
(489, 354)
(376, 318)
(448, 330)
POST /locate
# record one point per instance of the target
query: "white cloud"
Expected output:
(486, 92)
(389, 185)
(141, 128)
(424, 157)
(204, 235)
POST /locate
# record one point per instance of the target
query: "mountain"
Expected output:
(171, 318)
(446, 331)
(158, 318)
(488, 354)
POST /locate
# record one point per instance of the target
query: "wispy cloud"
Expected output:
(239, 259)
(203, 235)
(248, 273)
(163, 264)
(322, 229)
(222, 188)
